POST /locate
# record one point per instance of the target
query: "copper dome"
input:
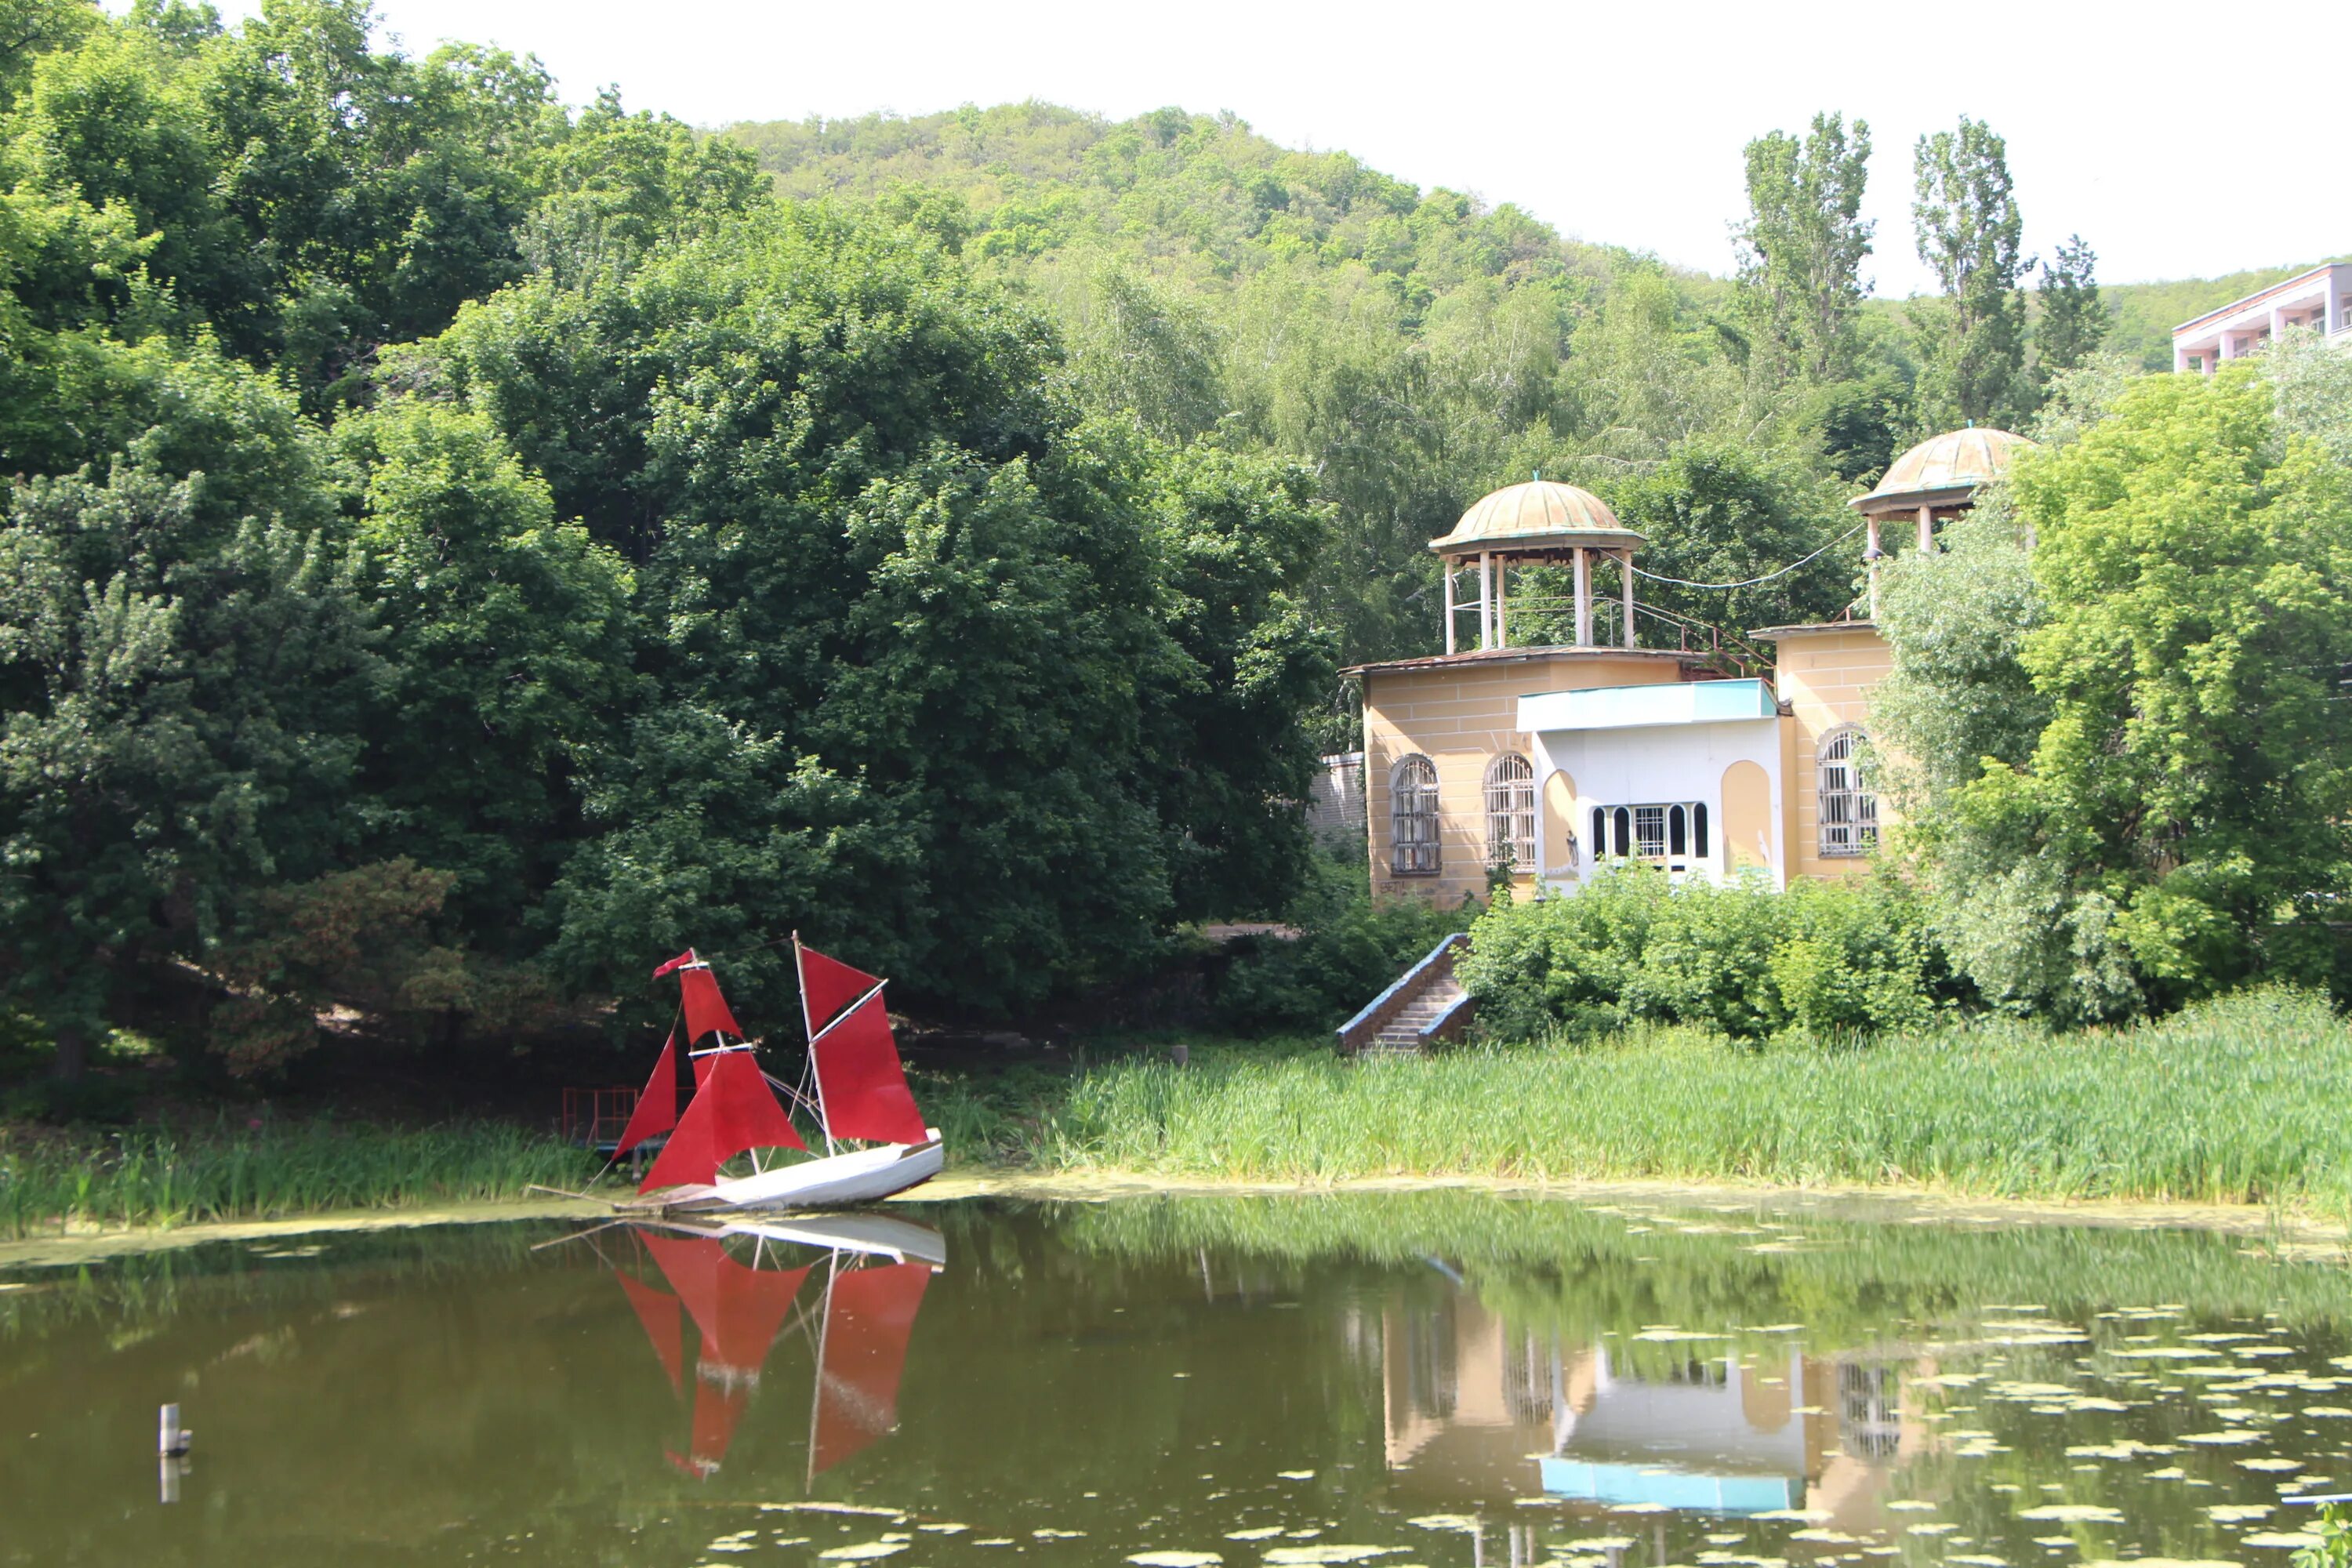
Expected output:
(1537, 516)
(1943, 470)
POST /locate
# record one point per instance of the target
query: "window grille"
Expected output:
(1412, 816)
(1672, 834)
(1848, 806)
(1511, 812)
(1650, 832)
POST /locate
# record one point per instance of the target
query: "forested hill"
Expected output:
(1206, 198)
(1416, 347)
(1419, 347)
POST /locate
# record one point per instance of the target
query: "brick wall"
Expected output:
(1335, 803)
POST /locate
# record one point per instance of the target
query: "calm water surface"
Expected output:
(1440, 1379)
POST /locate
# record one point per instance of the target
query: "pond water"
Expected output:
(1438, 1379)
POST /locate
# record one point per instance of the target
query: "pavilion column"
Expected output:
(1870, 555)
(1927, 528)
(1449, 606)
(1625, 576)
(1486, 601)
(1502, 601)
(1583, 597)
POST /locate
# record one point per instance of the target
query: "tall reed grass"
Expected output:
(161, 1179)
(2249, 1100)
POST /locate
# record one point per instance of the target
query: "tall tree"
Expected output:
(510, 641)
(2074, 320)
(182, 719)
(2146, 802)
(940, 671)
(1803, 244)
(1969, 231)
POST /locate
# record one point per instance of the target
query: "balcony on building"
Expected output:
(2320, 298)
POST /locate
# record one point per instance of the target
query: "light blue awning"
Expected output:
(1642, 707)
(1681, 1490)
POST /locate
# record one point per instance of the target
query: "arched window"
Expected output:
(1848, 806)
(1412, 816)
(1511, 812)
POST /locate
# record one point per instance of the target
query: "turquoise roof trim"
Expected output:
(1652, 1486)
(1645, 707)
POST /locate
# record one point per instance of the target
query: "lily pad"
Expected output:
(2075, 1513)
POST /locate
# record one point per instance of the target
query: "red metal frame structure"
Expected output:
(594, 1117)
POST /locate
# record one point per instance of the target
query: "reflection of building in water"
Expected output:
(1480, 1411)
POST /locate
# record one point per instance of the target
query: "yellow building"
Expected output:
(1629, 741)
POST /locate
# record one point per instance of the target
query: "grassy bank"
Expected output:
(2247, 1100)
(161, 1179)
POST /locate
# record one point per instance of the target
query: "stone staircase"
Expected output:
(1403, 1032)
(1426, 1004)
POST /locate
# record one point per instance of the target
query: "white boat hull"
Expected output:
(838, 1181)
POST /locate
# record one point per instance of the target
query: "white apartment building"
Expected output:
(2321, 297)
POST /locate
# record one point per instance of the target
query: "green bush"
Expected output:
(2334, 1550)
(1347, 950)
(1823, 959)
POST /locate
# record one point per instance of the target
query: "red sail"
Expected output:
(734, 1111)
(657, 1310)
(657, 1109)
(864, 1087)
(749, 1116)
(739, 1310)
(716, 1412)
(706, 1009)
(689, 1159)
(868, 1318)
(827, 985)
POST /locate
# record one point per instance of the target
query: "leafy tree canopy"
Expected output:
(2158, 798)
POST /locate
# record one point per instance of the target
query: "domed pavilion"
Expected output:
(1934, 482)
(1539, 523)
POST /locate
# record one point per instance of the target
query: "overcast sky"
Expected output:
(2175, 151)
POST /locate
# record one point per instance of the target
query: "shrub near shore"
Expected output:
(1822, 959)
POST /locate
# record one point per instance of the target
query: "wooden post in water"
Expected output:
(171, 1446)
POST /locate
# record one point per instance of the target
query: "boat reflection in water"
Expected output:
(853, 1305)
(1676, 1425)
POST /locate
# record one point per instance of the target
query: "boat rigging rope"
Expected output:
(1750, 582)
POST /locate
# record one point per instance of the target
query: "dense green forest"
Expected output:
(463, 551)
(462, 548)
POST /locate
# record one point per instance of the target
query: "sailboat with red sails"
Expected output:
(853, 1085)
(858, 1318)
